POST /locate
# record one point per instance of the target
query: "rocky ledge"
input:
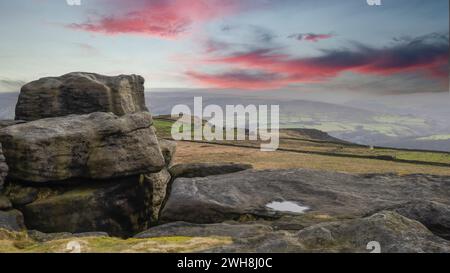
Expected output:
(225, 197)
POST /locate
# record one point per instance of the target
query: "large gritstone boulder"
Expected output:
(94, 146)
(81, 93)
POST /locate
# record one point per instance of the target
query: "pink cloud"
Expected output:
(240, 80)
(159, 18)
(276, 69)
(311, 37)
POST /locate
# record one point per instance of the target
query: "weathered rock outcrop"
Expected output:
(206, 169)
(224, 197)
(98, 146)
(393, 232)
(3, 168)
(120, 207)
(85, 158)
(80, 93)
(435, 216)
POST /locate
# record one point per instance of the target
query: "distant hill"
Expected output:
(379, 123)
(379, 126)
(8, 105)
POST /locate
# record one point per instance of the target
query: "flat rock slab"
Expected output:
(225, 197)
(80, 93)
(97, 146)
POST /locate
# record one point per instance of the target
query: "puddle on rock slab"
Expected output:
(287, 206)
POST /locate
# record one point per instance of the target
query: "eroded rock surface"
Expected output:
(434, 215)
(224, 197)
(80, 93)
(393, 232)
(98, 146)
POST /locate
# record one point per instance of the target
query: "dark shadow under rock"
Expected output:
(206, 169)
(45, 237)
(121, 207)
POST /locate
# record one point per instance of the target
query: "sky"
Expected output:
(400, 47)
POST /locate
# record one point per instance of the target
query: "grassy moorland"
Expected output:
(311, 150)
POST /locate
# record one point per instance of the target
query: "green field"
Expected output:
(296, 142)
